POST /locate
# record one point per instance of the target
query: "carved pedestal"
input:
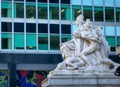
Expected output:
(78, 80)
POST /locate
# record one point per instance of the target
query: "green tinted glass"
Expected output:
(31, 41)
(43, 41)
(18, 41)
(6, 41)
(6, 9)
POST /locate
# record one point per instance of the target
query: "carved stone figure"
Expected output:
(87, 51)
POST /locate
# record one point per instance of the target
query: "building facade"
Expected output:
(32, 30)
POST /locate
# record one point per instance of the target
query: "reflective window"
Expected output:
(65, 1)
(118, 31)
(6, 41)
(65, 12)
(42, 11)
(54, 11)
(117, 2)
(76, 2)
(76, 10)
(109, 3)
(45, 1)
(54, 28)
(30, 0)
(118, 41)
(98, 2)
(54, 1)
(65, 29)
(6, 0)
(74, 28)
(18, 41)
(109, 14)
(18, 27)
(43, 41)
(110, 31)
(19, 10)
(6, 27)
(117, 14)
(111, 42)
(6, 9)
(88, 3)
(87, 12)
(18, 0)
(30, 28)
(30, 41)
(54, 42)
(98, 13)
(65, 38)
(30, 10)
(42, 28)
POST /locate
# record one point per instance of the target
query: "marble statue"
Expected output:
(87, 51)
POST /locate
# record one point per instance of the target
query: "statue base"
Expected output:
(76, 79)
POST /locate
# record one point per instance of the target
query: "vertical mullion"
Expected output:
(48, 25)
(25, 25)
(12, 24)
(37, 25)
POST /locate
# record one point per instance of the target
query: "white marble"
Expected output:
(87, 51)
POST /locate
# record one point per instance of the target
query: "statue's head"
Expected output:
(79, 19)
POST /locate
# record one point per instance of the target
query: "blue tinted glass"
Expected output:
(87, 2)
(74, 28)
(118, 31)
(117, 3)
(109, 3)
(76, 2)
(98, 2)
(110, 31)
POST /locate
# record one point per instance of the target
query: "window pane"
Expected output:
(65, 38)
(18, 41)
(6, 27)
(30, 28)
(19, 10)
(117, 14)
(118, 41)
(65, 1)
(76, 2)
(42, 28)
(109, 3)
(117, 2)
(98, 12)
(18, 27)
(18, 0)
(65, 29)
(45, 1)
(6, 9)
(54, 42)
(109, 14)
(76, 10)
(110, 31)
(31, 41)
(43, 41)
(111, 42)
(54, 28)
(88, 3)
(74, 28)
(30, 0)
(54, 1)
(6, 41)
(42, 11)
(118, 31)
(31, 10)
(54, 11)
(98, 2)
(65, 12)
(87, 12)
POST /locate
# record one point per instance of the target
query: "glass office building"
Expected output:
(32, 30)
